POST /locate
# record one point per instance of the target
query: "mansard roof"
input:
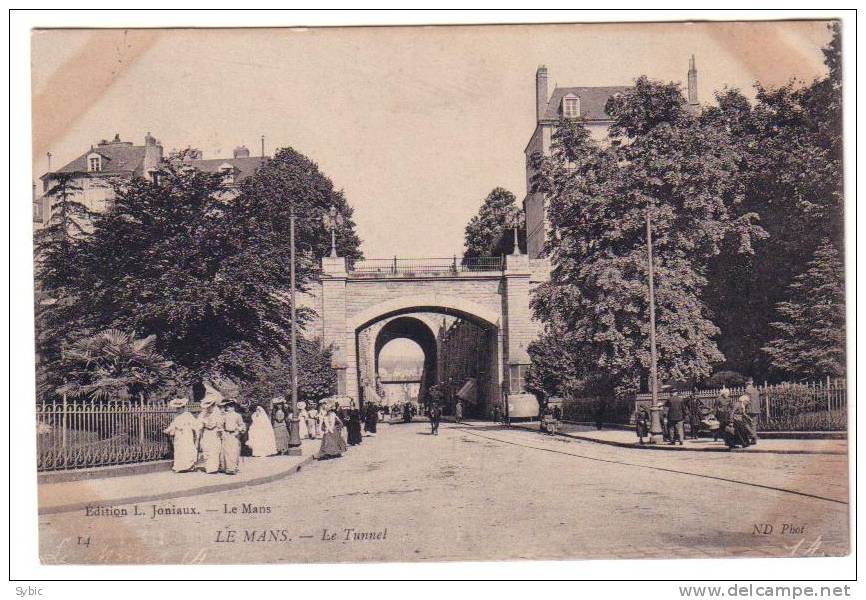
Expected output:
(592, 101)
(118, 157)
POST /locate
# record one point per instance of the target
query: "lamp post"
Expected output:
(332, 221)
(294, 422)
(516, 218)
(653, 382)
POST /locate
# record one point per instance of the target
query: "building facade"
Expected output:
(95, 171)
(584, 103)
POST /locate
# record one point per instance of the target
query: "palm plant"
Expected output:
(114, 365)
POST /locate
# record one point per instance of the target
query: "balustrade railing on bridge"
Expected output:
(424, 267)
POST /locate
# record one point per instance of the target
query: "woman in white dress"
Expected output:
(303, 431)
(212, 424)
(261, 439)
(313, 422)
(185, 430)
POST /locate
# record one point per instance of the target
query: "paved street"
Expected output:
(478, 491)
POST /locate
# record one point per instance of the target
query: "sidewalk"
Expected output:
(77, 495)
(628, 439)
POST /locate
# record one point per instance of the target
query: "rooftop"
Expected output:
(592, 101)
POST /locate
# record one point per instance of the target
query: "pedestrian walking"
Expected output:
(435, 417)
(695, 412)
(281, 429)
(333, 445)
(234, 426)
(722, 411)
(184, 430)
(744, 412)
(353, 427)
(675, 419)
(262, 440)
(753, 409)
(303, 430)
(313, 422)
(458, 412)
(642, 422)
(212, 421)
(371, 420)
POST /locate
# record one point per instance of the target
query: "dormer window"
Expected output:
(94, 163)
(571, 106)
(228, 173)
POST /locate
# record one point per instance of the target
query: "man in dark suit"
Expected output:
(675, 418)
(435, 416)
(753, 408)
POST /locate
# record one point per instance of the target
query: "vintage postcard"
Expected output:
(453, 293)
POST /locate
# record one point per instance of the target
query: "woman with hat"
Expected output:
(212, 424)
(303, 431)
(234, 427)
(333, 444)
(281, 430)
(313, 421)
(184, 429)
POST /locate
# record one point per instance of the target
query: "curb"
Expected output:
(49, 477)
(208, 489)
(636, 446)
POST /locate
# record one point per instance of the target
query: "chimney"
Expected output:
(540, 92)
(693, 81)
(241, 152)
(152, 154)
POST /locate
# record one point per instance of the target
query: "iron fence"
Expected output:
(805, 406)
(423, 267)
(84, 433)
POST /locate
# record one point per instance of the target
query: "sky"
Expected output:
(415, 124)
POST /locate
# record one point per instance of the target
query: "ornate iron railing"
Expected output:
(84, 433)
(424, 267)
(809, 406)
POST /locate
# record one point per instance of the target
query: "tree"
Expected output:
(57, 276)
(272, 376)
(290, 178)
(789, 153)
(203, 268)
(810, 340)
(490, 232)
(113, 365)
(662, 161)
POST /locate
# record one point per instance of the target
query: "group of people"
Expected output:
(734, 420)
(210, 441)
(551, 418)
(213, 440)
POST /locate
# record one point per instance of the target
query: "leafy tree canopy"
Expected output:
(810, 336)
(203, 268)
(663, 161)
(491, 231)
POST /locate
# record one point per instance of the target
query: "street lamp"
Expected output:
(294, 422)
(516, 217)
(332, 220)
(653, 383)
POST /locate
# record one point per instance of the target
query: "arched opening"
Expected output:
(460, 357)
(417, 331)
(402, 367)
